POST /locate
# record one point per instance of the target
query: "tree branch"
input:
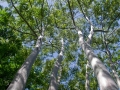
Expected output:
(113, 21)
(84, 13)
(42, 11)
(35, 18)
(24, 19)
(112, 32)
(19, 30)
(100, 31)
(72, 16)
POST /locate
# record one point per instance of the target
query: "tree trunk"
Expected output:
(111, 64)
(20, 79)
(87, 78)
(53, 80)
(116, 77)
(104, 79)
(87, 84)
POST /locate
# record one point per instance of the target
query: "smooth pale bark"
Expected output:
(20, 79)
(117, 78)
(87, 84)
(59, 77)
(53, 79)
(105, 81)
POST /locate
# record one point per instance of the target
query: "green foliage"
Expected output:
(17, 39)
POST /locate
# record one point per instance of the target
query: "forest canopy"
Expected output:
(60, 44)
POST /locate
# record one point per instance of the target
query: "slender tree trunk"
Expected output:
(116, 77)
(87, 84)
(59, 77)
(104, 79)
(87, 78)
(20, 79)
(111, 64)
(53, 80)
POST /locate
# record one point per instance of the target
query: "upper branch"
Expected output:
(24, 19)
(84, 13)
(113, 20)
(72, 16)
(13, 28)
(35, 17)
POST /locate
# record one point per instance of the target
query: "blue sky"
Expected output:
(3, 3)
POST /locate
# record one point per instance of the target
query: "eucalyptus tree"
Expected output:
(10, 44)
(23, 18)
(54, 18)
(87, 9)
(111, 64)
(100, 70)
(111, 26)
(20, 79)
(54, 81)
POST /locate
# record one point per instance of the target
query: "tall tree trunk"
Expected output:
(87, 84)
(104, 79)
(53, 80)
(116, 77)
(20, 79)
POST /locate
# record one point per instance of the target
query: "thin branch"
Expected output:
(35, 17)
(84, 13)
(91, 25)
(112, 32)
(65, 27)
(100, 31)
(113, 21)
(24, 19)
(13, 28)
(72, 16)
(42, 11)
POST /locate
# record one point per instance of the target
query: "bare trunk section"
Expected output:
(87, 84)
(104, 79)
(59, 77)
(20, 79)
(53, 80)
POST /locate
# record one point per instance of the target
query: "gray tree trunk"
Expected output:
(53, 80)
(87, 84)
(104, 79)
(20, 79)
(116, 77)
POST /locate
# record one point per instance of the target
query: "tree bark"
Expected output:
(87, 84)
(53, 80)
(116, 77)
(20, 79)
(104, 79)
